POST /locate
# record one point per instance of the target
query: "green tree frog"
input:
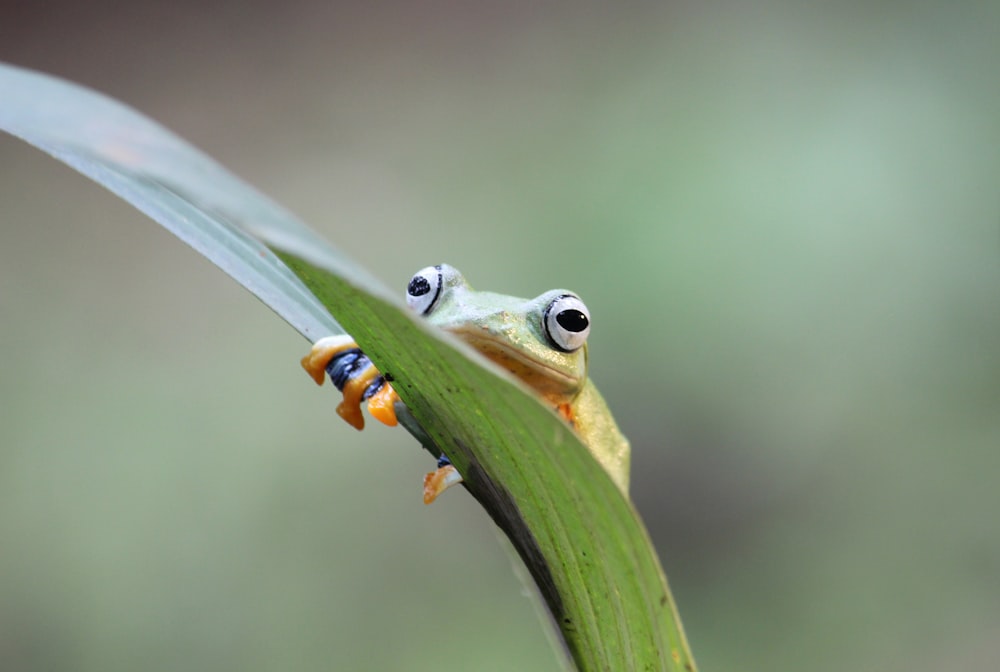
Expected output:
(542, 341)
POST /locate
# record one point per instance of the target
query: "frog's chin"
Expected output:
(548, 379)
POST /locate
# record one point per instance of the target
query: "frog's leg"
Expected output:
(355, 376)
(440, 480)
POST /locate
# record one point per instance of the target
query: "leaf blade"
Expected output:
(579, 537)
(594, 564)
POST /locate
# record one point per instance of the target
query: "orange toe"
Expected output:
(382, 405)
(322, 352)
(438, 481)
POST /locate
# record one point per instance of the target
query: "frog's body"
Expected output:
(542, 341)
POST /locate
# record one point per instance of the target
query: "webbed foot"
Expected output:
(355, 376)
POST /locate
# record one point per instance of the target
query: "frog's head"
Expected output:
(542, 341)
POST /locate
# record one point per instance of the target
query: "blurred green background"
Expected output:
(784, 219)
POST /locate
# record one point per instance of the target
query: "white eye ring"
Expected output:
(567, 323)
(424, 289)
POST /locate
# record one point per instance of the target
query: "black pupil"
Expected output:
(572, 320)
(418, 286)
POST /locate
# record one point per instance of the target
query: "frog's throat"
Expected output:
(549, 380)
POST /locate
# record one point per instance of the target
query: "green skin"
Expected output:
(508, 330)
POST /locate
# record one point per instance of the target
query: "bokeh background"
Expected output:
(784, 219)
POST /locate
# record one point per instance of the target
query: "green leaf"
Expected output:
(582, 541)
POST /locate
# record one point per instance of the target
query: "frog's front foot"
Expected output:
(440, 480)
(355, 376)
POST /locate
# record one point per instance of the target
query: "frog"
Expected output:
(540, 341)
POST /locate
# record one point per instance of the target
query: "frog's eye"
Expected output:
(424, 289)
(567, 323)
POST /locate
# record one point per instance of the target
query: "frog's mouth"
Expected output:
(549, 380)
